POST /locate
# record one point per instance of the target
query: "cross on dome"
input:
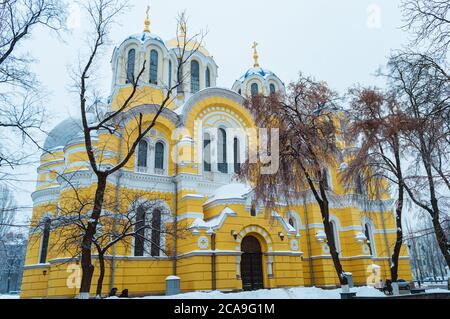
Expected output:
(147, 21)
(255, 55)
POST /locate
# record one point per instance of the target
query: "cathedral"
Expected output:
(229, 243)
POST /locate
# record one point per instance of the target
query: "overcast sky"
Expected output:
(341, 42)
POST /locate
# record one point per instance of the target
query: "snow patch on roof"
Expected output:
(230, 191)
(215, 222)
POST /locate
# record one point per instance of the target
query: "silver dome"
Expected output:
(63, 133)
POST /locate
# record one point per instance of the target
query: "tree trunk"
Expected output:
(101, 259)
(399, 240)
(442, 240)
(325, 211)
(86, 243)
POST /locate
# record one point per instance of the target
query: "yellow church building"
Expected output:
(230, 243)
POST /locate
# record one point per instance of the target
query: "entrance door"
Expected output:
(251, 264)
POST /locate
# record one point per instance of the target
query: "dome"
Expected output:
(258, 80)
(266, 74)
(144, 36)
(176, 42)
(62, 134)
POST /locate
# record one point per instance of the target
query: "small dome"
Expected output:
(144, 36)
(258, 80)
(62, 134)
(258, 71)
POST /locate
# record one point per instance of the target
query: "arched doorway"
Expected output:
(251, 264)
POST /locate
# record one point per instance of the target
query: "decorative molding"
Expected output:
(44, 196)
(36, 266)
(284, 253)
(208, 93)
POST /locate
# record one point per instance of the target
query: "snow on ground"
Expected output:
(436, 290)
(9, 296)
(286, 293)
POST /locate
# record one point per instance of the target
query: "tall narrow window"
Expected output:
(159, 155)
(208, 77)
(154, 67)
(254, 89)
(44, 241)
(180, 77)
(207, 153)
(130, 65)
(156, 233)
(237, 156)
(222, 151)
(142, 153)
(139, 229)
(170, 74)
(369, 238)
(253, 210)
(272, 88)
(195, 76)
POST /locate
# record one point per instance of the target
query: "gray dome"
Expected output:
(63, 133)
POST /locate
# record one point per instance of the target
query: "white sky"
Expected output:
(341, 42)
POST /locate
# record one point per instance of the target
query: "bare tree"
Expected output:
(425, 90)
(377, 121)
(8, 209)
(134, 219)
(12, 257)
(21, 108)
(429, 21)
(102, 15)
(307, 146)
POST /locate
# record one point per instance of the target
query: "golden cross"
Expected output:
(255, 55)
(147, 21)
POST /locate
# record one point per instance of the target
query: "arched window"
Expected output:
(130, 65)
(207, 78)
(159, 155)
(368, 233)
(222, 151)
(154, 67)
(254, 89)
(195, 76)
(240, 91)
(44, 240)
(170, 74)
(139, 230)
(292, 222)
(272, 88)
(142, 154)
(180, 77)
(237, 156)
(156, 233)
(207, 153)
